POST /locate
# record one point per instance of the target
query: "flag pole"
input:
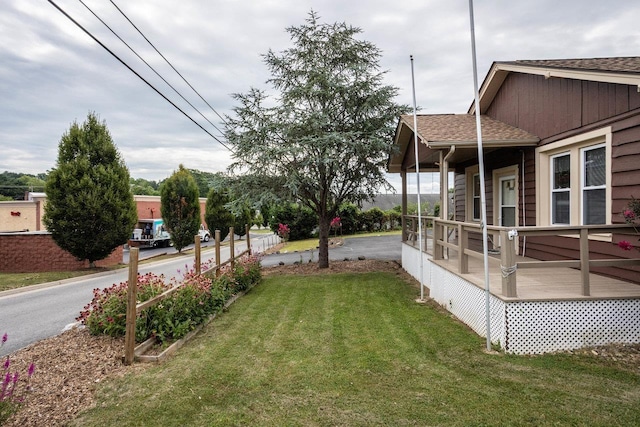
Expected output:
(483, 198)
(415, 143)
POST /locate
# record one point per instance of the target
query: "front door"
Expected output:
(507, 200)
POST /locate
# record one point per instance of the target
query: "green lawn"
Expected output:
(357, 350)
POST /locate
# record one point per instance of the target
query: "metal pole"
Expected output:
(483, 198)
(415, 143)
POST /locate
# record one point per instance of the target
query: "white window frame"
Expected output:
(470, 173)
(583, 187)
(553, 191)
(575, 146)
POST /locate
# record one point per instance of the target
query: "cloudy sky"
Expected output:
(52, 73)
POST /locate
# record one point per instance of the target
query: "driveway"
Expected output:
(383, 247)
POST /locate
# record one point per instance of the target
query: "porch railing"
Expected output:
(507, 262)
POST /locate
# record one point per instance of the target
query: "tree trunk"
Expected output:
(323, 247)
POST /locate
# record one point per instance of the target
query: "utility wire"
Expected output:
(148, 65)
(174, 69)
(134, 72)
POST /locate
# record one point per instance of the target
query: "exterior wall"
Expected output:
(149, 207)
(528, 327)
(18, 216)
(37, 252)
(548, 107)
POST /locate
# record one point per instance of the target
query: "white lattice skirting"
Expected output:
(529, 327)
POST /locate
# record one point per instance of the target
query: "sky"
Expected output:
(52, 73)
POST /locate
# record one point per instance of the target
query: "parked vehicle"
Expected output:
(204, 234)
(150, 233)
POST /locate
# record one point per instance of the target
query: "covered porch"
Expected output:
(535, 306)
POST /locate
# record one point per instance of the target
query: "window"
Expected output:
(476, 197)
(573, 184)
(560, 189)
(594, 185)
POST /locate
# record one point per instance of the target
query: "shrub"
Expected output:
(197, 298)
(301, 220)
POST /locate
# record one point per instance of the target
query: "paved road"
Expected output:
(384, 246)
(42, 311)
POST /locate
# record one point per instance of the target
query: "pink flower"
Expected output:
(629, 214)
(623, 244)
(335, 222)
(32, 369)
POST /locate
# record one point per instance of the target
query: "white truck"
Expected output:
(150, 233)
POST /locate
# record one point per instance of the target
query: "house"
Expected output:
(561, 157)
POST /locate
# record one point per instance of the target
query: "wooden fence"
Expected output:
(133, 309)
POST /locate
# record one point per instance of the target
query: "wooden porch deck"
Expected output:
(538, 284)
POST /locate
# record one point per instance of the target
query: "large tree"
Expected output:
(180, 207)
(90, 209)
(328, 134)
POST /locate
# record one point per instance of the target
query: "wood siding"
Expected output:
(548, 107)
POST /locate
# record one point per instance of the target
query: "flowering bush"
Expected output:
(107, 311)
(284, 231)
(335, 223)
(10, 395)
(631, 216)
(197, 297)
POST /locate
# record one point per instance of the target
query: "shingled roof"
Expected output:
(629, 64)
(460, 129)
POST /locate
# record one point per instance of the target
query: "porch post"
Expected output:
(463, 243)
(584, 261)
(403, 174)
(508, 264)
(438, 252)
(444, 186)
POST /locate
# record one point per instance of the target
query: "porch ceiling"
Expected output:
(438, 132)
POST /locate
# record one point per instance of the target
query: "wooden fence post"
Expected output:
(232, 247)
(217, 253)
(132, 288)
(196, 241)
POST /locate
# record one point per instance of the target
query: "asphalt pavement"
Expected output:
(382, 247)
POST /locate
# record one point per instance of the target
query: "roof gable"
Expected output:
(617, 70)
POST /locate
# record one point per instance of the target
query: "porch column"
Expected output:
(444, 186)
(508, 264)
(403, 175)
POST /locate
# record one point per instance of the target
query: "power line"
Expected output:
(174, 69)
(134, 72)
(148, 65)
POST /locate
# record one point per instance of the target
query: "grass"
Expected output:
(356, 350)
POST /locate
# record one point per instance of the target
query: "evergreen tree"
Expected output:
(180, 207)
(216, 215)
(326, 137)
(90, 209)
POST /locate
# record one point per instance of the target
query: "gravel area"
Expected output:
(70, 365)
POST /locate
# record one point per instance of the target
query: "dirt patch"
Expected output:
(357, 266)
(69, 366)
